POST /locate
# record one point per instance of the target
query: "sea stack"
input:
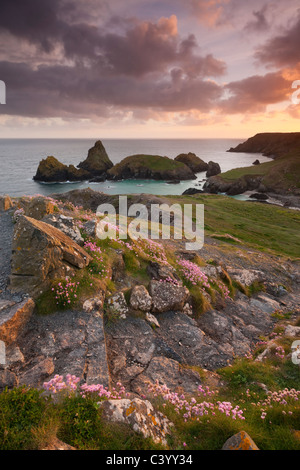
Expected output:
(94, 166)
(97, 161)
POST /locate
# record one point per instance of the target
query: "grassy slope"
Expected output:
(154, 162)
(260, 226)
(282, 173)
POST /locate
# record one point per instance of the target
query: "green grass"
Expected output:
(282, 173)
(260, 226)
(154, 162)
(21, 410)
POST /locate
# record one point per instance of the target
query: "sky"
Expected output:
(148, 69)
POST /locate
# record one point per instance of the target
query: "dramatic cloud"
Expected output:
(34, 20)
(253, 94)
(89, 59)
(144, 64)
(259, 23)
(57, 91)
(282, 50)
(209, 12)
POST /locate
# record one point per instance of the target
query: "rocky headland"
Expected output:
(279, 179)
(270, 144)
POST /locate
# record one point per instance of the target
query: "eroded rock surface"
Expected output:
(41, 253)
(140, 415)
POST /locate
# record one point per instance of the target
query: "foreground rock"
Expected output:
(66, 225)
(57, 444)
(5, 203)
(140, 299)
(140, 415)
(40, 254)
(140, 352)
(240, 441)
(57, 344)
(39, 207)
(13, 319)
(150, 167)
(167, 296)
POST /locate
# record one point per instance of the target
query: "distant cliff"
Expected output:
(272, 144)
(281, 176)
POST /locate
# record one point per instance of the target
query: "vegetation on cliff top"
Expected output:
(273, 144)
(281, 176)
(150, 166)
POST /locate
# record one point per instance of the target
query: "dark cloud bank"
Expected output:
(87, 70)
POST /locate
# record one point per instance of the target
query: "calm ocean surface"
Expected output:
(19, 159)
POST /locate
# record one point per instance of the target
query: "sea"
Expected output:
(19, 160)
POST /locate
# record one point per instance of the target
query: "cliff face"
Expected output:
(273, 144)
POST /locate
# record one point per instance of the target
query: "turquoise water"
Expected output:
(19, 159)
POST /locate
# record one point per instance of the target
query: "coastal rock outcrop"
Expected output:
(191, 191)
(213, 169)
(97, 161)
(192, 161)
(153, 167)
(216, 184)
(94, 166)
(41, 253)
(270, 144)
(52, 170)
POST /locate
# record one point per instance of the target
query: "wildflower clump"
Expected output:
(195, 408)
(97, 265)
(66, 293)
(58, 384)
(71, 385)
(193, 274)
